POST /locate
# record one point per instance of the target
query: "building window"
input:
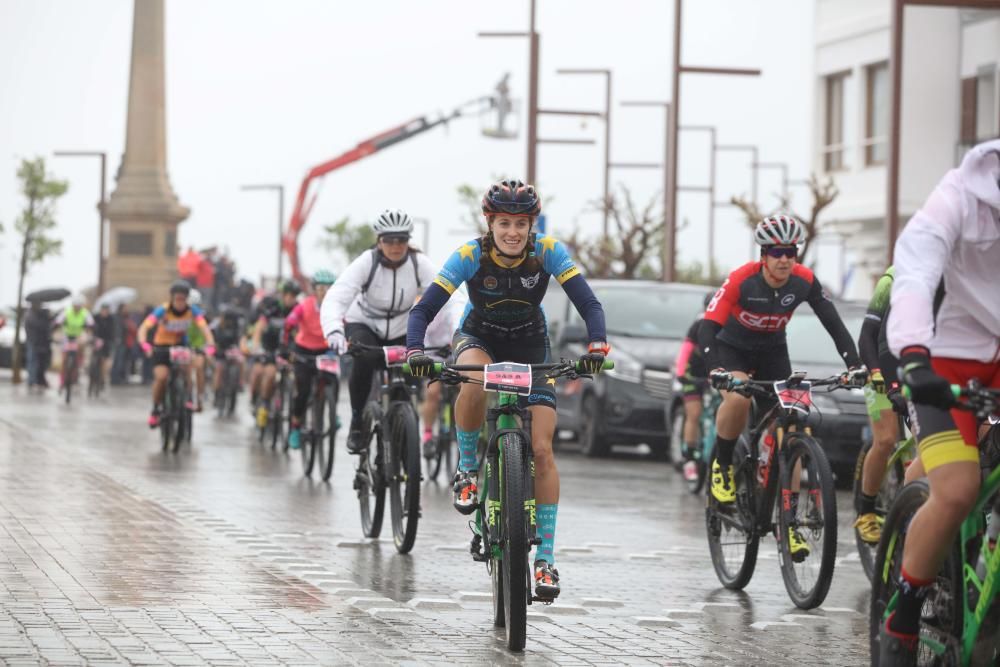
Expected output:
(876, 113)
(135, 243)
(170, 244)
(986, 103)
(834, 140)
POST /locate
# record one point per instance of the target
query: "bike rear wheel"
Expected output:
(941, 615)
(69, 375)
(732, 532)
(167, 420)
(404, 474)
(369, 480)
(328, 439)
(807, 579)
(514, 475)
(276, 416)
(891, 485)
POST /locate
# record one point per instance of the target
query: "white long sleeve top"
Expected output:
(954, 238)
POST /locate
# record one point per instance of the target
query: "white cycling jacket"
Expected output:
(386, 304)
(955, 236)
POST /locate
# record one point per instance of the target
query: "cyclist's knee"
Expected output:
(545, 459)
(954, 488)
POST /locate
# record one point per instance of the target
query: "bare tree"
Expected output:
(630, 252)
(822, 192)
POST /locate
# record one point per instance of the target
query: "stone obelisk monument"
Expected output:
(143, 212)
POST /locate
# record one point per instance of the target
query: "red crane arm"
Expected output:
(300, 214)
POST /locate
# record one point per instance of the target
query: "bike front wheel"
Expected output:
(733, 539)
(404, 475)
(312, 432)
(329, 437)
(891, 485)
(941, 616)
(516, 541)
(809, 508)
(369, 482)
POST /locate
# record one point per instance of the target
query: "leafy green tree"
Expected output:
(349, 239)
(35, 223)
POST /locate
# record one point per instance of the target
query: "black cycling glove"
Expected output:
(924, 384)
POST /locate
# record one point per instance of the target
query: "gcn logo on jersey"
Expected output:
(530, 281)
(490, 282)
(787, 300)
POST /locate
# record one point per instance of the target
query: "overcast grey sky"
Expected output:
(259, 91)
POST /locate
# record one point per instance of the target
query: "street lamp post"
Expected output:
(280, 189)
(669, 238)
(533, 50)
(101, 261)
(606, 73)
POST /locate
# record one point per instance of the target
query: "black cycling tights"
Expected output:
(305, 372)
(364, 364)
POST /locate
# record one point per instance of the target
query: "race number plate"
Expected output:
(180, 355)
(71, 346)
(328, 363)
(395, 355)
(508, 377)
(798, 397)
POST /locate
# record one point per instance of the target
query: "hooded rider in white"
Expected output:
(370, 304)
(945, 328)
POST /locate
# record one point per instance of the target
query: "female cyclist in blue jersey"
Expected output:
(507, 272)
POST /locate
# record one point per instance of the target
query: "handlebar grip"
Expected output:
(438, 367)
(608, 365)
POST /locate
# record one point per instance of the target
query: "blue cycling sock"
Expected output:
(468, 441)
(546, 525)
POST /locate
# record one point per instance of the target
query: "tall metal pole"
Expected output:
(896, 73)
(670, 173)
(103, 260)
(281, 217)
(101, 217)
(532, 138)
(607, 148)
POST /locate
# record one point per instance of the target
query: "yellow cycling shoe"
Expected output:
(869, 528)
(262, 417)
(723, 489)
(797, 546)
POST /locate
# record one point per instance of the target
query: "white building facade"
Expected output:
(950, 100)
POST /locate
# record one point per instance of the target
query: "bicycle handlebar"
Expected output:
(984, 401)
(727, 382)
(562, 368)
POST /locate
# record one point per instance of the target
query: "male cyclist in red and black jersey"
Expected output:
(743, 332)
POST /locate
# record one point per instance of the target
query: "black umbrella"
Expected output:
(51, 294)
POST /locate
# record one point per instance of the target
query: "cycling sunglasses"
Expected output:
(776, 251)
(394, 239)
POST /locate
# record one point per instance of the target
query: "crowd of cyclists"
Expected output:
(933, 322)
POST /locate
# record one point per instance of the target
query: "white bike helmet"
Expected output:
(779, 230)
(393, 222)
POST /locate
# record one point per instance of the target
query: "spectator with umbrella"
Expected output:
(38, 331)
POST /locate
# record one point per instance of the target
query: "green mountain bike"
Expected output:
(960, 619)
(504, 525)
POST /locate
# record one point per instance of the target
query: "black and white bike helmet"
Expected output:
(393, 222)
(779, 230)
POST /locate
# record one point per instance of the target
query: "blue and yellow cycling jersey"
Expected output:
(171, 326)
(505, 301)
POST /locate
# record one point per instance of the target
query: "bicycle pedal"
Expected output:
(535, 541)
(545, 601)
